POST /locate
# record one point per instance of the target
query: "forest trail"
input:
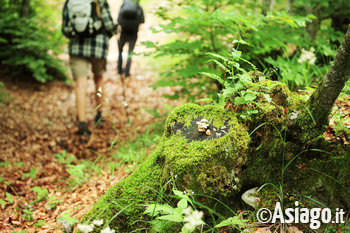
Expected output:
(40, 120)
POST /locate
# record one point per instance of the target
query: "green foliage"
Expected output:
(67, 221)
(29, 46)
(136, 150)
(65, 157)
(204, 27)
(183, 213)
(340, 127)
(53, 201)
(235, 83)
(9, 198)
(39, 223)
(27, 214)
(42, 193)
(31, 173)
(3, 95)
(77, 174)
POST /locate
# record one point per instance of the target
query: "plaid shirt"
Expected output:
(97, 46)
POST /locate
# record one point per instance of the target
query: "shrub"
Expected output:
(28, 45)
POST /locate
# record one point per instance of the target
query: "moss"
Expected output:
(126, 197)
(204, 167)
(220, 166)
(187, 112)
(278, 91)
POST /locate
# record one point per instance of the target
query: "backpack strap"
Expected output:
(98, 9)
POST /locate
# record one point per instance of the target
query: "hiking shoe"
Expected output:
(98, 118)
(83, 130)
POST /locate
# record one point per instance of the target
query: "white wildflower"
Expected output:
(85, 228)
(99, 94)
(125, 103)
(107, 230)
(175, 176)
(187, 211)
(307, 56)
(194, 219)
(98, 222)
(66, 225)
(294, 115)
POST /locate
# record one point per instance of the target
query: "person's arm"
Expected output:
(142, 17)
(65, 18)
(107, 20)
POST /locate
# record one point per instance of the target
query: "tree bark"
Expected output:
(289, 4)
(268, 6)
(313, 26)
(25, 9)
(312, 121)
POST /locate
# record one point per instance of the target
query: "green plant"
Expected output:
(42, 194)
(39, 223)
(65, 157)
(27, 214)
(27, 48)
(3, 95)
(135, 151)
(184, 214)
(205, 27)
(235, 82)
(77, 174)
(31, 173)
(67, 221)
(53, 201)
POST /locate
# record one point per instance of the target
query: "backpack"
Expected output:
(84, 18)
(130, 16)
(129, 9)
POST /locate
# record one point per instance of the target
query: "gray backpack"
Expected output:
(84, 18)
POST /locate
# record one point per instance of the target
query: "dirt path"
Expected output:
(40, 120)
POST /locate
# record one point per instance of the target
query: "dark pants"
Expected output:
(131, 39)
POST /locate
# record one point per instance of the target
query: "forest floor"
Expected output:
(39, 148)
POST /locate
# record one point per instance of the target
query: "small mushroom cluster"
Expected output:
(203, 126)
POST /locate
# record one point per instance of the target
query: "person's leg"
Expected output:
(132, 41)
(80, 66)
(121, 43)
(80, 96)
(98, 68)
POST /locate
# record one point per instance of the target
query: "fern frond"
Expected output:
(213, 76)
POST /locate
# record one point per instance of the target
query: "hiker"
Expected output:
(130, 17)
(89, 26)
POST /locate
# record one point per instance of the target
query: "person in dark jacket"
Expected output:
(129, 23)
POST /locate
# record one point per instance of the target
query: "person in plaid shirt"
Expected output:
(84, 51)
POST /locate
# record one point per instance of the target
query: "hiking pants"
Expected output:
(131, 39)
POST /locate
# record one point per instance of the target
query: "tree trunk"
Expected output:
(25, 9)
(268, 6)
(289, 4)
(313, 26)
(312, 121)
